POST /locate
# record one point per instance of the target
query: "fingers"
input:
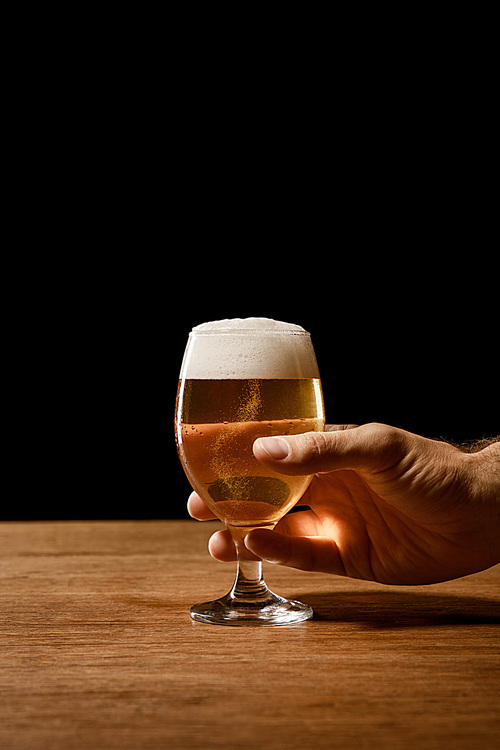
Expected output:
(319, 554)
(315, 553)
(371, 447)
(221, 546)
(197, 508)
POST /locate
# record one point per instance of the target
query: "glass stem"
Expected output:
(249, 585)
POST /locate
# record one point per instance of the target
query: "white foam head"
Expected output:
(248, 324)
(249, 348)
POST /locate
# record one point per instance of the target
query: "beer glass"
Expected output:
(242, 379)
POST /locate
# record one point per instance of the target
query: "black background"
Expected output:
(156, 189)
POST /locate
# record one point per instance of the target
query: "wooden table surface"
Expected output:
(97, 650)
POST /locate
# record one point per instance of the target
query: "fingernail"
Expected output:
(276, 448)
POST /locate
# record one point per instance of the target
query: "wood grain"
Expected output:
(97, 650)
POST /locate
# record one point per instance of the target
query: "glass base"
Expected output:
(268, 610)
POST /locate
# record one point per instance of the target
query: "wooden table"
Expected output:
(97, 650)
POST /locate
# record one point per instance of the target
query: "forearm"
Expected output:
(484, 467)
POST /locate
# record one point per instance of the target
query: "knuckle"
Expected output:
(390, 442)
(382, 434)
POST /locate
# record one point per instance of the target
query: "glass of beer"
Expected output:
(242, 379)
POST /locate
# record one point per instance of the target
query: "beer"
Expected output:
(217, 423)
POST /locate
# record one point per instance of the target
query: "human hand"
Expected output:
(384, 505)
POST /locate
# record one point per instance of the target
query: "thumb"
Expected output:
(371, 447)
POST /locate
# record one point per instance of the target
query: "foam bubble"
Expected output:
(249, 348)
